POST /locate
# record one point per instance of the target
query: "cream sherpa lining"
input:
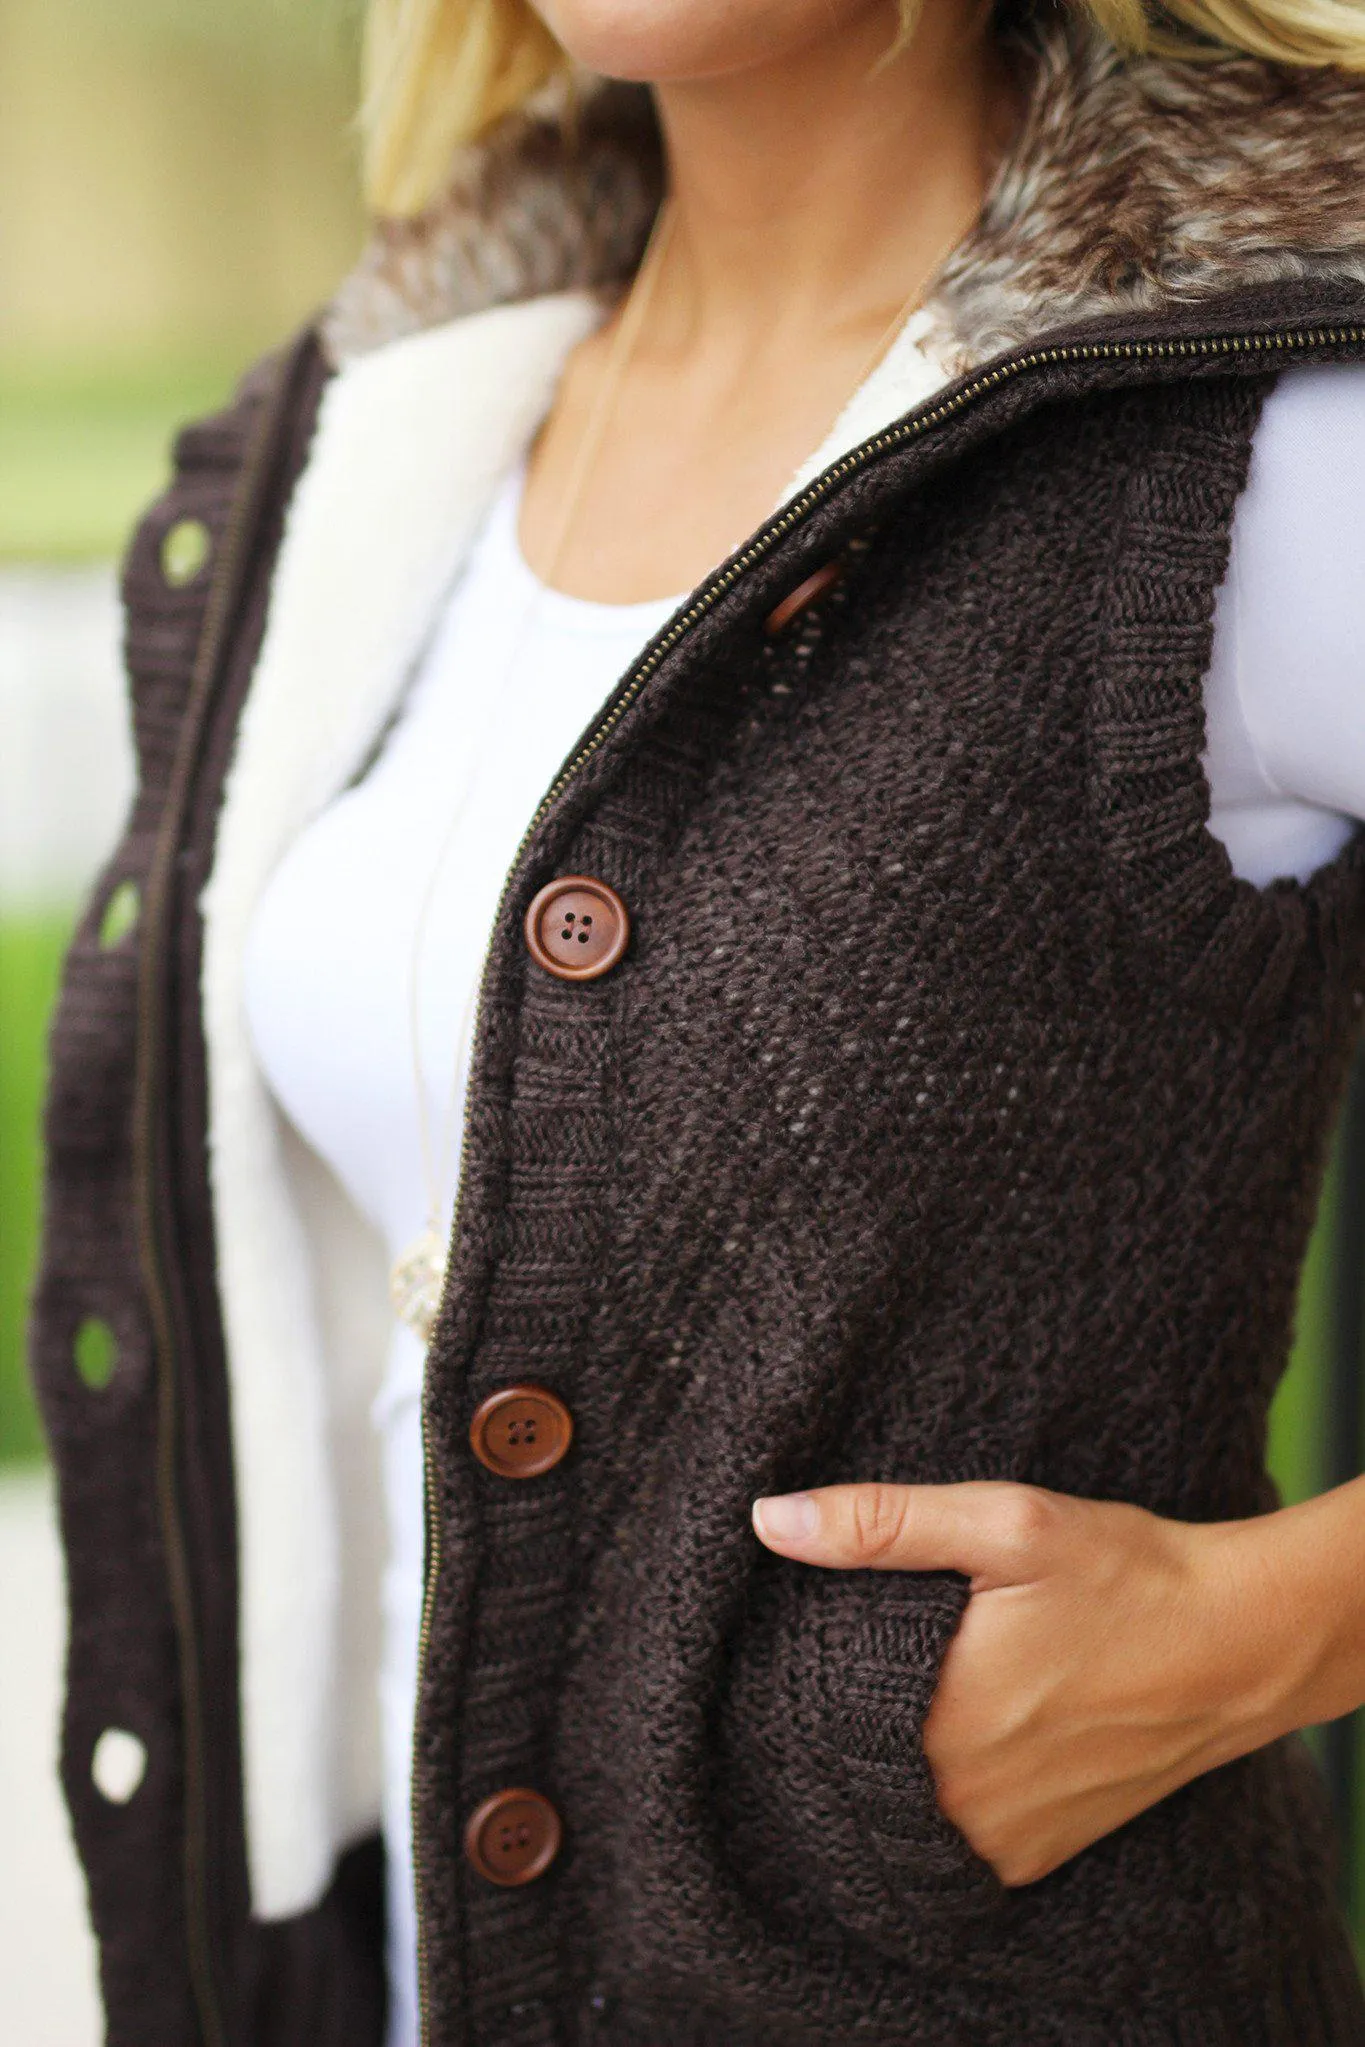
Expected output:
(1128, 186)
(410, 444)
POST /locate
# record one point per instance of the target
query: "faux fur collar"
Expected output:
(1130, 184)
(1135, 185)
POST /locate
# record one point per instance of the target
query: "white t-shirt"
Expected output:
(513, 675)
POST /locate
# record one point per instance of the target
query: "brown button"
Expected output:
(577, 928)
(796, 601)
(521, 1431)
(513, 1837)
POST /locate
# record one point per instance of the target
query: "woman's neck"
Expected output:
(810, 201)
(809, 195)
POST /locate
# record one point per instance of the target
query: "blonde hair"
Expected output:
(439, 73)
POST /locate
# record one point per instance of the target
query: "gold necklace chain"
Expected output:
(417, 1278)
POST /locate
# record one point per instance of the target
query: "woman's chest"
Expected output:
(366, 946)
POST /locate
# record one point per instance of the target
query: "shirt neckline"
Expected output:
(911, 369)
(501, 548)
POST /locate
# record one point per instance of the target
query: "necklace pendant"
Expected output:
(416, 1281)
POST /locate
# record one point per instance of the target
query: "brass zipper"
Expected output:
(1270, 341)
(157, 897)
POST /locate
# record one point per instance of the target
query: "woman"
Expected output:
(882, 1011)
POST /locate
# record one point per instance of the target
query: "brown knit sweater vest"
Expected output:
(954, 1114)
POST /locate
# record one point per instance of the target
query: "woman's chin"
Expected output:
(647, 42)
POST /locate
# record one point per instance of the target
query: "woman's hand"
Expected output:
(1106, 1655)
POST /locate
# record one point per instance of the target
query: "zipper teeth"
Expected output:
(857, 458)
(815, 493)
(159, 887)
(1283, 342)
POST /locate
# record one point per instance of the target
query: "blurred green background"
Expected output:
(177, 191)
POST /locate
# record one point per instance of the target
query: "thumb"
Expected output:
(993, 1531)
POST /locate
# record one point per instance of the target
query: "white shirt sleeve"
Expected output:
(1285, 692)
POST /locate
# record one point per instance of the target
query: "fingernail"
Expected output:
(786, 1517)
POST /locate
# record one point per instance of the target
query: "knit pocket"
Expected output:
(834, 1743)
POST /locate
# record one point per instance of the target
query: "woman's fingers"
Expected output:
(1112, 1654)
(993, 1531)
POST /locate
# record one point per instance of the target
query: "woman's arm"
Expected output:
(1283, 695)
(1106, 1655)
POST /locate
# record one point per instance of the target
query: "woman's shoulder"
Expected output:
(1301, 518)
(179, 539)
(1296, 589)
(203, 543)
(1308, 457)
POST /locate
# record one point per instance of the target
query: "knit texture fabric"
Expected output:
(957, 1115)
(954, 1114)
